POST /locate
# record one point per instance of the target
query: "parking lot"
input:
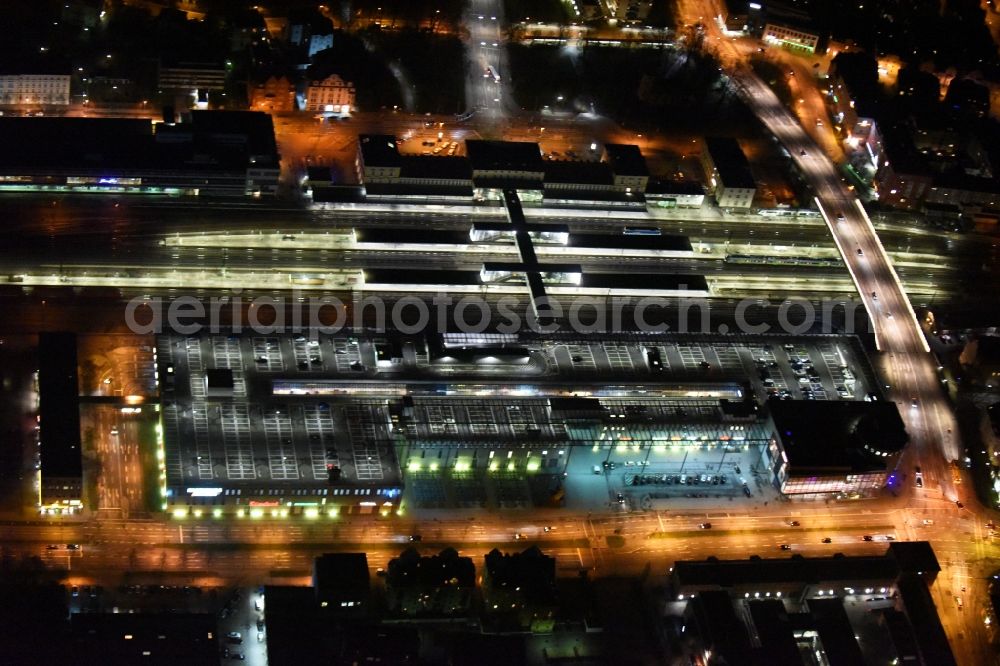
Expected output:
(813, 368)
(668, 477)
(252, 442)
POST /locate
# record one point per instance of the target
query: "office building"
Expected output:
(498, 164)
(618, 181)
(61, 456)
(846, 448)
(791, 37)
(674, 194)
(741, 16)
(378, 158)
(310, 30)
(728, 173)
(628, 166)
(190, 77)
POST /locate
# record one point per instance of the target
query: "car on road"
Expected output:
(746, 490)
(868, 537)
(888, 315)
(913, 403)
(958, 602)
(959, 504)
(889, 537)
(793, 523)
(827, 540)
(928, 521)
(860, 252)
(234, 637)
(802, 153)
(52, 546)
(705, 526)
(785, 546)
(518, 536)
(72, 546)
(416, 538)
(840, 217)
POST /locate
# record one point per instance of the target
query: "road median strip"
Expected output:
(683, 534)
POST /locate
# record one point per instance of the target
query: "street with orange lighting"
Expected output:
(315, 405)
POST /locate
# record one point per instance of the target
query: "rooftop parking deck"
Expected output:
(339, 419)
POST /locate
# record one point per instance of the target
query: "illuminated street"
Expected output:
(907, 367)
(218, 380)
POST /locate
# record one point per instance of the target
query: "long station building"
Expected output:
(209, 153)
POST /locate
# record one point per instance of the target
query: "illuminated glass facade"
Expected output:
(848, 449)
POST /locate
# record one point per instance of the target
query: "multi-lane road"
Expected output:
(231, 549)
(907, 365)
(237, 552)
(487, 66)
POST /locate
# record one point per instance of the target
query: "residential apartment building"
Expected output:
(330, 95)
(34, 89)
(275, 95)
